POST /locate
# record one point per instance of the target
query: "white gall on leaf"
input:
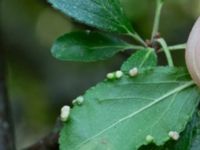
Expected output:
(174, 135)
(79, 100)
(149, 138)
(119, 74)
(110, 76)
(133, 72)
(65, 111)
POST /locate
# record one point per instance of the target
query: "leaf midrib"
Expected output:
(178, 89)
(111, 20)
(145, 58)
(112, 16)
(108, 46)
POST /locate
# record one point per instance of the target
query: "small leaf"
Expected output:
(87, 46)
(120, 114)
(141, 59)
(104, 14)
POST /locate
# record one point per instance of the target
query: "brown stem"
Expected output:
(49, 142)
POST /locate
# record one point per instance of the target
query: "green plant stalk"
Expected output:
(159, 5)
(175, 47)
(166, 50)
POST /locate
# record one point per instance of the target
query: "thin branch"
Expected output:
(49, 142)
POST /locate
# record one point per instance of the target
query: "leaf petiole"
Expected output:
(175, 47)
(136, 37)
(134, 47)
(166, 50)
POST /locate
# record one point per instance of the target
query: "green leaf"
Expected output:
(119, 114)
(87, 46)
(141, 59)
(104, 14)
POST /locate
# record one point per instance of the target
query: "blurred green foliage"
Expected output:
(39, 85)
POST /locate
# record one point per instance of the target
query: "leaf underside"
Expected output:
(119, 114)
(87, 46)
(104, 14)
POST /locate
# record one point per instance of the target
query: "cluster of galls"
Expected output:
(65, 110)
(118, 74)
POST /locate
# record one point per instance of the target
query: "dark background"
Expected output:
(39, 84)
